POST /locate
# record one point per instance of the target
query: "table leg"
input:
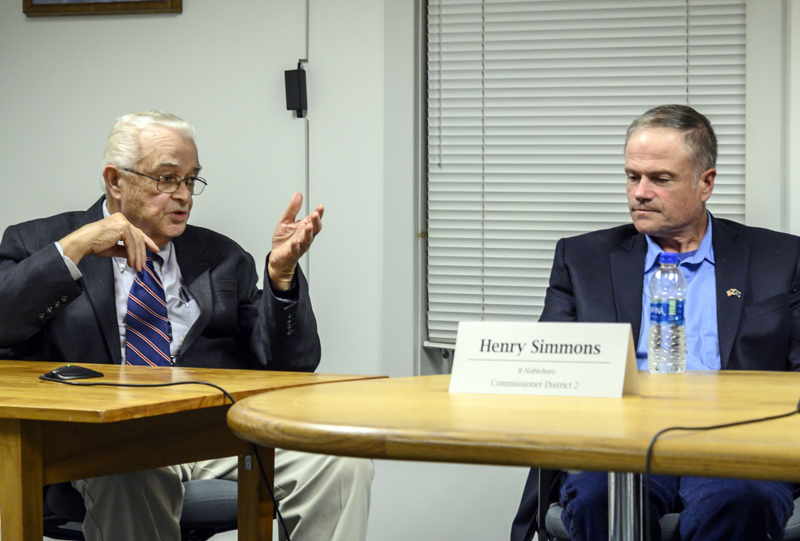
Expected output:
(20, 480)
(255, 504)
(624, 506)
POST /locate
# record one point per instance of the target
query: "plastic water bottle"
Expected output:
(666, 349)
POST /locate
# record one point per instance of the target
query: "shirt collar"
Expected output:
(166, 253)
(704, 252)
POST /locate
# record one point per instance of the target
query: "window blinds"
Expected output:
(528, 103)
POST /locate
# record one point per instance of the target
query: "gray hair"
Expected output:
(124, 148)
(698, 135)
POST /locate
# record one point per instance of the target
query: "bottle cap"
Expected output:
(668, 258)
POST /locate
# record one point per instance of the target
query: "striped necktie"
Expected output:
(148, 331)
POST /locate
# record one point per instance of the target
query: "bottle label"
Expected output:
(667, 312)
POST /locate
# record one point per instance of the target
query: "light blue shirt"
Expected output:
(702, 338)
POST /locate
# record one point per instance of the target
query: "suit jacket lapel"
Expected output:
(98, 283)
(627, 278)
(195, 272)
(731, 264)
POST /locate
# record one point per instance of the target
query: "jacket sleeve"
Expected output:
(559, 300)
(285, 336)
(794, 304)
(35, 285)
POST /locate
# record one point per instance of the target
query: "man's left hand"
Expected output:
(290, 241)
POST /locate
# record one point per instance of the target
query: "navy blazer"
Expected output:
(599, 277)
(46, 315)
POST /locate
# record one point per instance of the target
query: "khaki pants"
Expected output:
(321, 497)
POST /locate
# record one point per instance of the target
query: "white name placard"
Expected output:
(552, 359)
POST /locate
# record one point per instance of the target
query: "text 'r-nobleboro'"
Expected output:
(539, 347)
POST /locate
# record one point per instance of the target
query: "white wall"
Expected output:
(345, 73)
(64, 81)
(792, 206)
(767, 128)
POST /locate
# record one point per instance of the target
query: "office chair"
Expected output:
(209, 508)
(552, 529)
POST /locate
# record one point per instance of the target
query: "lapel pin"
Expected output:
(734, 293)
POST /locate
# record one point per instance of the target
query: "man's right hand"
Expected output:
(102, 238)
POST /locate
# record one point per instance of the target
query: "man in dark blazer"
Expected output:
(47, 315)
(747, 281)
(64, 284)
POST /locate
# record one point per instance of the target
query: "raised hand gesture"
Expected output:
(291, 240)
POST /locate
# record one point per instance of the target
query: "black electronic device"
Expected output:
(71, 371)
(296, 98)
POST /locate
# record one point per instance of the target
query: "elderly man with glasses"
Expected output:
(128, 281)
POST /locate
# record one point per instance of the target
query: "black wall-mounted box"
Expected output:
(296, 99)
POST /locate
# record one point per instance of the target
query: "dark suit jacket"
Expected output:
(46, 315)
(598, 277)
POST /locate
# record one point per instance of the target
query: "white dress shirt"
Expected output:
(182, 309)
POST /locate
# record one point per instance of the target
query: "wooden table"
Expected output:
(50, 432)
(417, 419)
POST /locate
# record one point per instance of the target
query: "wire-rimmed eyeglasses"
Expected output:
(171, 183)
